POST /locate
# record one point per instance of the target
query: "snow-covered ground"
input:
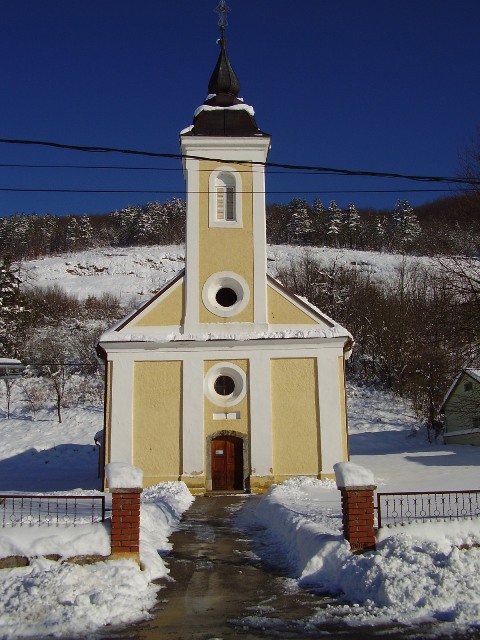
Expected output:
(37, 454)
(417, 574)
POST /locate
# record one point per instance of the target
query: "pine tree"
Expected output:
(334, 223)
(299, 226)
(351, 224)
(12, 311)
(319, 222)
(405, 226)
(175, 212)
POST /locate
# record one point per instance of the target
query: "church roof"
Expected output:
(224, 86)
(224, 113)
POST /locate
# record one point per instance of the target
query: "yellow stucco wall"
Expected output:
(164, 312)
(226, 249)
(242, 424)
(282, 311)
(295, 414)
(157, 419)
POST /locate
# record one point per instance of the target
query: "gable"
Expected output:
(464, 394)
(165, 309)
(285, 308)
(281, 310)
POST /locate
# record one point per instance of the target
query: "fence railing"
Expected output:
(50, 510)
(416, 506)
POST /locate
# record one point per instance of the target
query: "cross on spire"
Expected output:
(223, 10)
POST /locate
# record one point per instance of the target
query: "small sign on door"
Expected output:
(219, 452)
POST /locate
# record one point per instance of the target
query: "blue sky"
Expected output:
(378, 85)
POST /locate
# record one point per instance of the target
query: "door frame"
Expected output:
(246, 466)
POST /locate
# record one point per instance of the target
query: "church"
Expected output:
(225, 379)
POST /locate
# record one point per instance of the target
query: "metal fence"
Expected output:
(406, 508)
(50, 510)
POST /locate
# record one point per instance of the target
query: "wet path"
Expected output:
(222, 590)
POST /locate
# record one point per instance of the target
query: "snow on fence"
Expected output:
(416, 507)
(50, 510)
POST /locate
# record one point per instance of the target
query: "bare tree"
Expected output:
(8, 389)
(469, 162)
(50, 354)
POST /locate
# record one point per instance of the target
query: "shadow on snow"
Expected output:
(61, 468)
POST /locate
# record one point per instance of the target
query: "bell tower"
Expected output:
(224, 153)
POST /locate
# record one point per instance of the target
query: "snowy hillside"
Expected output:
(134, 273)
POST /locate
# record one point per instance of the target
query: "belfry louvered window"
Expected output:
(225, 196)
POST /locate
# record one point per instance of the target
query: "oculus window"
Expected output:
(225, 294)
(225, 384)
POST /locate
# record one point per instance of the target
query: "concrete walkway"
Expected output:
(221, 589)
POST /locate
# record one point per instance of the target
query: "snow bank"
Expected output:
(161, 509)
(49, 598)
(61, 599)
(409, 579)
(121, 475)
(445, 533)
(349, 474)
(81, 540)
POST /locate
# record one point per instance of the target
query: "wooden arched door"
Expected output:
(227, 463)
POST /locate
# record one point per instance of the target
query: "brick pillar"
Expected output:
(126, 523)
(358, 521)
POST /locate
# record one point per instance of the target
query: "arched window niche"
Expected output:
(225, 198)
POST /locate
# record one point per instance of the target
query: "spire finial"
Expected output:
(223, 10)
(224, 84)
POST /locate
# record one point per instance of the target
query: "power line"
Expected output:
(173, 191)
(86, 166)
(20, 165)
(176, 156)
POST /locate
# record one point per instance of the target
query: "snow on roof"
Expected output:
(9, 362)
(214, 95)
(176, 336)
(473, 373)
(235, 107)
(186, 130)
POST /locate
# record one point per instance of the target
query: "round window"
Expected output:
(225, 294)
(226, 297)
(225, 384)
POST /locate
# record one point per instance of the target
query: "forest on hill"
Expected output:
(446, 226)
(414, 331)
